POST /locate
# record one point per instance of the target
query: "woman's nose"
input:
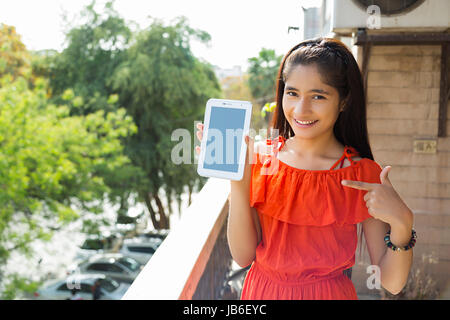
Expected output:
(301, 107)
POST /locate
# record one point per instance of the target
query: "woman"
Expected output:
(296, 224)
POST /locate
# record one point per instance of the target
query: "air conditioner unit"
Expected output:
(395, 15)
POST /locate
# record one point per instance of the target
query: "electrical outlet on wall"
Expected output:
(425, 146)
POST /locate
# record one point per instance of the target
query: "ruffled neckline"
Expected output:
(287, 194)
(348, 153)
(352, 166)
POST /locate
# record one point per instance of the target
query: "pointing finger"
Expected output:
(360, 185)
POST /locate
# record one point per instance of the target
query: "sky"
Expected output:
(238, 28)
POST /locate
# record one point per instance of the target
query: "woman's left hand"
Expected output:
(382, 201)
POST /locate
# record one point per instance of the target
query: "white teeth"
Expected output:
(304, 122)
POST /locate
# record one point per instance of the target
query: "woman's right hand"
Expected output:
(199, 136)
(248, 140)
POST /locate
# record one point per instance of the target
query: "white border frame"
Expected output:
(233, 104)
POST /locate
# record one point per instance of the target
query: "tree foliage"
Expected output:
(99, 127)
(236, 88)
(50, 163)
(15, 60)
(263, 71)
(156, 78)
(81, 74)
(164, 87)
(93, 51)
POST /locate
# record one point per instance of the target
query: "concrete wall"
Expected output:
(403, 105)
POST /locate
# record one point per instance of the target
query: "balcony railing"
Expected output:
(194, 259)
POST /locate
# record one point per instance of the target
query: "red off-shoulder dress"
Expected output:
(308, 221)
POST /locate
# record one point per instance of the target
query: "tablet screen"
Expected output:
(224, 139)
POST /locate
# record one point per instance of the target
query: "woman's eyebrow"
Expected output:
(312, 90)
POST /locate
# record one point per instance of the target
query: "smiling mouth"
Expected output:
(305, 124)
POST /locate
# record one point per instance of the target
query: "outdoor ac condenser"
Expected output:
(349, 15)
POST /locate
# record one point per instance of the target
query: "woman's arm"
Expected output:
(389, 212)
(244, 231)
(394, 265)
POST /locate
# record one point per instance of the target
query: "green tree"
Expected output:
(94, 50)
(82, 73)
(164, 87)
(263, 71)
(236, 88)
(51, 165)
(15, 60)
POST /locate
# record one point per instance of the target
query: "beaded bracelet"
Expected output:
(412, 242)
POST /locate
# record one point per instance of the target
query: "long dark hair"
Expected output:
(339, 69)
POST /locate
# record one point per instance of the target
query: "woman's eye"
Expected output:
(318, 97)
(290, 93)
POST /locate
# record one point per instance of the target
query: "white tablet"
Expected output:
(223, 148)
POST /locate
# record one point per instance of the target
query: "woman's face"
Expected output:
(307, 98)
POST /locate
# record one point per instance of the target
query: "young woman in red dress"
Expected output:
(294, 215)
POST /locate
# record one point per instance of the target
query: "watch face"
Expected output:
(390, 7)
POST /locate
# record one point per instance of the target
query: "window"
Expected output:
(147, 250)
(86, 288)
(114, 268)
(93, 244)
(131, 264)
(98, 267)
(108, 285)
(63, 287)
(105, 267)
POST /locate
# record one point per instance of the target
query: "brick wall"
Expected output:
(402, 106)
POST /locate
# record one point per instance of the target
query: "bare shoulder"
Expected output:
(347, 162)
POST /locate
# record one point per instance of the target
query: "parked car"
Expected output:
(140, 249)
(160, 234)
(127, 224)
(114, 265)
(95, 244)
(61, 289)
